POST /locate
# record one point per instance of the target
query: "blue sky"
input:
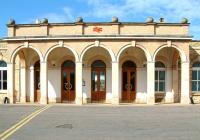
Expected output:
(27, 11)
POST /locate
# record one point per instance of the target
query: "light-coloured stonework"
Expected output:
(114, 43)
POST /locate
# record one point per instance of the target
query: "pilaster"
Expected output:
(115, 83)
(79, 94)
(150, 82)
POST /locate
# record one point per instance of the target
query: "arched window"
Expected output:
(159, 77)
(98, 64)
(68, 64)
(3, 75)
(129, 64)
(196, 77)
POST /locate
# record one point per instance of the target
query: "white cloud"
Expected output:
(68, 13)
(65, 16)
(138, 10)
(173, 10)
(53, 17)
(131, 10)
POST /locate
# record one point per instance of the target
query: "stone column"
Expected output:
(44, 83)
(169, 92)
(23, 84)
(115, 83)
(79, 93)
(10, 82)
(31, 84)
(150, 82)
(185, 83)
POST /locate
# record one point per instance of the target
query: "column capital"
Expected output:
(183, 62)
(115, 62)
(79, 62)
(43, 61)
(9, 63)
(31, 68)
(148, 62)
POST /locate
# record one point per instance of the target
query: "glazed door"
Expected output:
(37, 93)
(68, 85)
(98, 85)
(128, 85)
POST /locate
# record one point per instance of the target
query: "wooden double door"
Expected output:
(129, 83)
(98, 81)
(68, 82)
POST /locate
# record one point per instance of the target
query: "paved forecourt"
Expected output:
(11, 114)
(170, 122)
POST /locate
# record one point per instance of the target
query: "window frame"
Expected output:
(197, 69)
(158, 70)
(2, 69)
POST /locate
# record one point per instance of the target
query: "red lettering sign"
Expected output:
(97, 29)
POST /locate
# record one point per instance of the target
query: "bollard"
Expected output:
(6, 100)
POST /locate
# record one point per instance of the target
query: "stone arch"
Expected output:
(23, 47)
(182, 54)
(58, 46)
(197, 59)
(164, 60)
(33, 61)
(112, 55)
(147, 54)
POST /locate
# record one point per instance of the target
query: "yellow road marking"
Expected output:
(24, 121)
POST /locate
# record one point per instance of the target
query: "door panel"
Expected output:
(132, 86)
(124, 85)
(68, 85)
(72, 86)
(128, 85)
(37, 93)
(65, 85)
(98, 85)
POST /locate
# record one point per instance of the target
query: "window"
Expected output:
(159, 77)
(3, 75)
(196, 77)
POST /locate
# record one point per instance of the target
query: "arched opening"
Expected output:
(128, 81)
(68, 81)
(61, 75)
(37, 93)
(97, 64)
(168, 75)
(133, 75)
(98, 77)
(24, 60)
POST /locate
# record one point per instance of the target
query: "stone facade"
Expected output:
(114, 43)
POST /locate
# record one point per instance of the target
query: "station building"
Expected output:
(100, 62)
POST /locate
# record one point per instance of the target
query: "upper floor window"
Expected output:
(196, 77)
(3, 75)
(159, 77)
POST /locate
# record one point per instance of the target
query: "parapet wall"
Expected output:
(99, 29)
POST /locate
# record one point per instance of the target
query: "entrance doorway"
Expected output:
(128, 81)
(37, 93)
(98, 77)
(68, 82)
